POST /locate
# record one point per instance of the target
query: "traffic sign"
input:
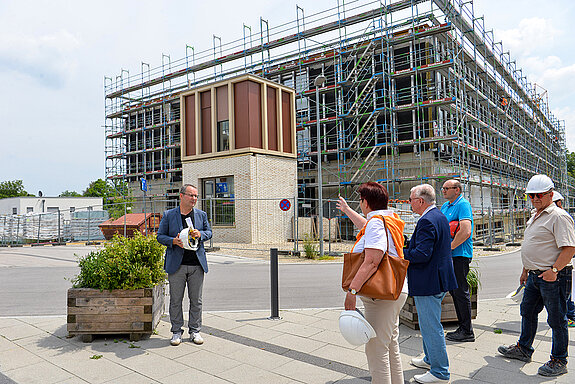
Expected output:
(143, 184)
(285, 205)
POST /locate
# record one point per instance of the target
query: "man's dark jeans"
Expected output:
(461, 298)
(553, 296)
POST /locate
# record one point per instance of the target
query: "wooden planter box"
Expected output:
(134, 312)
(408, 314)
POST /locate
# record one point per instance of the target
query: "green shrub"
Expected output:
(309, 247)
(123, 263)
(474, 278)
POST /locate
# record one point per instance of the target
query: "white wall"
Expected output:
(35, 205)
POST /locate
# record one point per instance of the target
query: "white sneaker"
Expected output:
(429, 378)
(420, 363)
(176, 338)
(197, 338)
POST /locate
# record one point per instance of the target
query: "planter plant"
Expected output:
(120, 289)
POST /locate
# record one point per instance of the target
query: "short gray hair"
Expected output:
(185, 186)
(425, 191)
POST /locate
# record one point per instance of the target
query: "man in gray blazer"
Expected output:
(184, 266)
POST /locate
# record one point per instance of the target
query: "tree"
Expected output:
(571, 163)
(67, 193)
(99, 188)
(116, 196)
(12, 188)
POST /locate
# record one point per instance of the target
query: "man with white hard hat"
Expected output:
(546, 253)
(186, 263)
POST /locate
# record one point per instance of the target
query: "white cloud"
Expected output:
(567, 114)
(48, 58)
(530, 36)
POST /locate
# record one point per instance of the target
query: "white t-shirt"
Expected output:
(375, 237)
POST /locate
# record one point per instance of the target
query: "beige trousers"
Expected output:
(382, 351)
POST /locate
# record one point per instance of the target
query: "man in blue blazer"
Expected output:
(185, 267)
(429, 276)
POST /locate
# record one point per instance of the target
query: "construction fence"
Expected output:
(258, 222)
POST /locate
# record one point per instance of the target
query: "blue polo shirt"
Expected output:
(459, 210)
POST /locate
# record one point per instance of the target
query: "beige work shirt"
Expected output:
(544, 237)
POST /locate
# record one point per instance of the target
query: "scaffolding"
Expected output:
(416, 91)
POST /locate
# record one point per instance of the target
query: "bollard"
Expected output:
(275, 312)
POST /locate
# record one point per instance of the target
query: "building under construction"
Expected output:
(415, 91)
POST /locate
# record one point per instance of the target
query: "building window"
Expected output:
(14, 211)
(72, 209)
(29, 209)
(223, 135)
(219, 203)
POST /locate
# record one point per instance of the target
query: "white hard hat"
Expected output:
(557, 196)
(189, 241)
(355, 328)
(517, 295)
(539, 184)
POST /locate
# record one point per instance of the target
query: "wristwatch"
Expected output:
(352, 291)
(554, 269)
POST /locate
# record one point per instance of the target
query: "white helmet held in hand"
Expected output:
(539, 184)
(517, 295)
(189, 241)
(354, 328)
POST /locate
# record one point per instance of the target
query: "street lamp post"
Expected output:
(318, 82)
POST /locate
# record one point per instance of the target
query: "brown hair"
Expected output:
(375, 194)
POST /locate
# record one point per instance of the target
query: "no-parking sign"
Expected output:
(285, 205)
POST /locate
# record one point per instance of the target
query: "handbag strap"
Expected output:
(362, 231)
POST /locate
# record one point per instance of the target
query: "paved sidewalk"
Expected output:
(246, 347)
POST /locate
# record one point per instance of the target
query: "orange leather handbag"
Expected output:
(386, 282)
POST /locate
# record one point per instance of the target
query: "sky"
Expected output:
(54, 55)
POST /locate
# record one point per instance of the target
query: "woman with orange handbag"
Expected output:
(382, 351)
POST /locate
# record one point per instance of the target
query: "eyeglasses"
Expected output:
(189, 194)
(447, 188)
(410, 199)
(538, 195)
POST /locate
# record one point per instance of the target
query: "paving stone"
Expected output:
(17, 357)
(308, 373)
(191, 375)
(207, 361)
(302, 344)
(40, 373)
(247, 374)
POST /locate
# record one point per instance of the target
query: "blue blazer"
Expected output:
(430, 268)
(170, 226)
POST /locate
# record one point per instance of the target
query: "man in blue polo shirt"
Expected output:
(460, 216)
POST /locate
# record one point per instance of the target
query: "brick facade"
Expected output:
(260, 182)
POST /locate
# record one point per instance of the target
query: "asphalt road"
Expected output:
(34, 281)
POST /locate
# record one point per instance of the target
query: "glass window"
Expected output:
(218, 198)
(29, 209)
(223, 135)
(14, 211)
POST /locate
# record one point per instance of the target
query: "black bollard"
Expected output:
(275, 315)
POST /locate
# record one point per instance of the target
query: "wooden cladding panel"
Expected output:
(206, 121)
(287, 129)
(272, 118)
(190, 125)
(247, 114)
(222, 103)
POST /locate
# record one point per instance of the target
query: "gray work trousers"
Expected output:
(193, 277)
